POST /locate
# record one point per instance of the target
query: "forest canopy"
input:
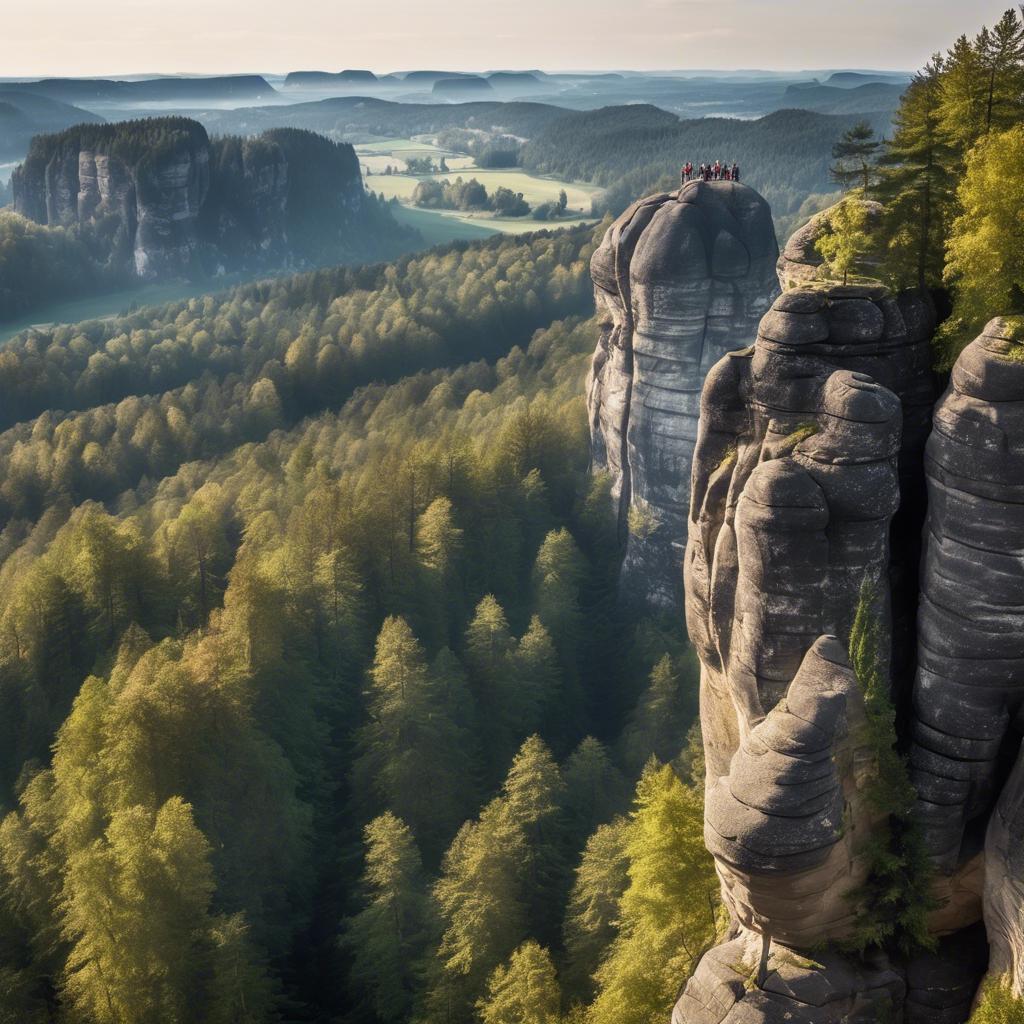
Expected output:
(317, 699)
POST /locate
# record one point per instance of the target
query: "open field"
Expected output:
(535, 190)
(440, 226)
(444, 225)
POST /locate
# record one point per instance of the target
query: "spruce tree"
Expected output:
(525, 991)
(667, 913)
(592, 912)
(388, 937)
(854, 156)
(916, 183)
(412, 753)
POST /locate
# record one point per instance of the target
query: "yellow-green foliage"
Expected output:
(791, 440)
(985, 250)
(998, 1005)
(668, 913)
(525, 991)
(846, 242)
(643, 521)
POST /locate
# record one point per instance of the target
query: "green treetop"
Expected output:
(523, 991)
(854, 156)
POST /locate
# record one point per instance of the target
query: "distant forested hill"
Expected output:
(633, 150)
(360, 114)
(24, 114)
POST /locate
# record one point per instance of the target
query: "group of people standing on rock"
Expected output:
(709, 172)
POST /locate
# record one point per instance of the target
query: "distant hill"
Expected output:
(113, 91)
(25, 114)
(514, 80)
(851, 79)
(860, 99)
(313, 79)
(461, 87)
(633, 150)
(359, 114)
(432, 76)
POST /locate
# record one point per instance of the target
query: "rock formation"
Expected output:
(679, 280)
(820, 458)
(159, 199)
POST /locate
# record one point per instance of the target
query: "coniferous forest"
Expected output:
(318, 703)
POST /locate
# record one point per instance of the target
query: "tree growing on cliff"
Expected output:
(854, 156)
(895, 900)
(916, 184)
(847, 241)
(985, 251)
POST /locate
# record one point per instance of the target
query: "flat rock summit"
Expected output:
(679, 280)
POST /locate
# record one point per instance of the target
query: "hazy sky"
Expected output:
(107, 37)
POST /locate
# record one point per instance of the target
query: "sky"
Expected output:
(111, 37)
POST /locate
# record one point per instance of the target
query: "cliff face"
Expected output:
(679, 280)
(158, 199)
(822, 459)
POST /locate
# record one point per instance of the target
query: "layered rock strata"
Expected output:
(813, 474)
(679, 279)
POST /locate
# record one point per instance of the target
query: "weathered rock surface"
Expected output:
(679, 280)
(788, 824)
(820, 457)
(969, 688)
(796, 479)
(159, 199)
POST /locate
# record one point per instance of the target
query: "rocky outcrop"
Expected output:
(821, 460)
(158, 199)
(679, 280)
(969, 687)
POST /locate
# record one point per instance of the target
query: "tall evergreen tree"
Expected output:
(413, 756)
(916, 182)
(135, 914)
(854, 156)
(592, 912)
(668, 912)
(388, 937)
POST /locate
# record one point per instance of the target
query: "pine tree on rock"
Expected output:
(916, 183)
(854, 156)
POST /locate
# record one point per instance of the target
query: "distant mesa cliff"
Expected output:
(679, 280)
(107, 90)
(324, 79)
(461, 87)
(159, 198)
